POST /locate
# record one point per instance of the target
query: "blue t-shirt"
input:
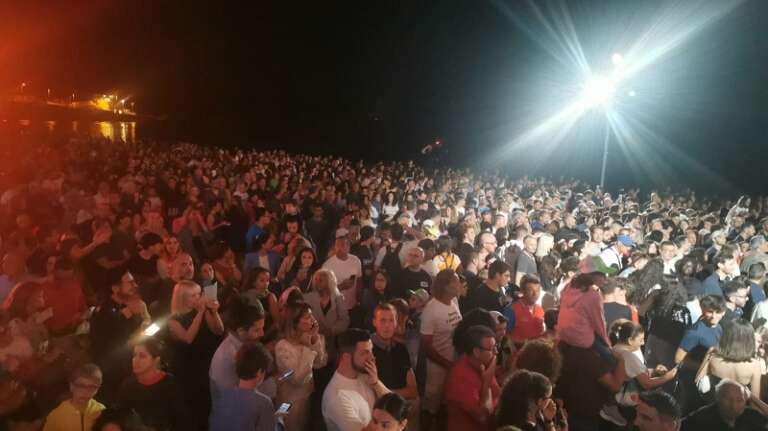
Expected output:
(699, 338)
(712, 285)
(253, 232)
(756, 293)
(239, 409)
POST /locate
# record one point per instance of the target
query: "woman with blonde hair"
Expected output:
(196, 329)
(328, 307)
(301, 350)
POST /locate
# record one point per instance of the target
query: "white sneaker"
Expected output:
(611, 414)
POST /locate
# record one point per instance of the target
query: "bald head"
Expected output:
(183, 267)
(415, 257)
(731, 398)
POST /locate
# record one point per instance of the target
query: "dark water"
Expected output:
(113, 130)
(229, 132)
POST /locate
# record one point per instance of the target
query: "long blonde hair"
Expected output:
(331, 280)
(180, 295)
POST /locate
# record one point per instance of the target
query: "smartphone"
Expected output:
(285, 375)
(283, 409)
(211, 292)
(152, 330)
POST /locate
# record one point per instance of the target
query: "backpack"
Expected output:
(391, 261)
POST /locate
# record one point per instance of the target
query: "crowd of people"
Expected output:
(170, 287)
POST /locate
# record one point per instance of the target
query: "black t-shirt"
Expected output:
(392, 364)
(615, 311)
(473, 282)
(111, 330)
(365, 254)
(410, 280)
(116, 249)
(484, 297)
(670, 326)
(161, 405)
(143, 268)
(320, 233)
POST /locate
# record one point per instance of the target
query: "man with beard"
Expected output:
(115, 322)
(245, 324)
(349, 397)
(182, 268)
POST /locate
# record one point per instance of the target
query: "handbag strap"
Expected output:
(704, 368)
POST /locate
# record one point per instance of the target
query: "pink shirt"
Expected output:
(581, 317)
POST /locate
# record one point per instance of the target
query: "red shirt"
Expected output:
(527, 324)
(462, 393)
(67, 301)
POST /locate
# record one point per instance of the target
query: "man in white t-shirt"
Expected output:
(438, 321)
(612, 255)
(348, 271)
(349, 397)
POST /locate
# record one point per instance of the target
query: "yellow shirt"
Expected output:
(66, 417)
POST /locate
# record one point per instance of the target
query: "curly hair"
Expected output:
(645, 279)
(674, 295)
(540, 355)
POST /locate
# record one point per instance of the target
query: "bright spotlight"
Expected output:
(632, 93)
(617, 59)
(597, 91)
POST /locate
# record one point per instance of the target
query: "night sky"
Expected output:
(383, 79)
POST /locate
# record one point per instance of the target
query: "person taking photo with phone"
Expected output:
(301, 350)
(196, 330)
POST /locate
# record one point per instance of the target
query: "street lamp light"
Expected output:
(598, 92)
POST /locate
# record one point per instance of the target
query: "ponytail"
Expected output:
(623, 330)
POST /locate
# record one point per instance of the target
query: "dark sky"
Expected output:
(382, 79)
